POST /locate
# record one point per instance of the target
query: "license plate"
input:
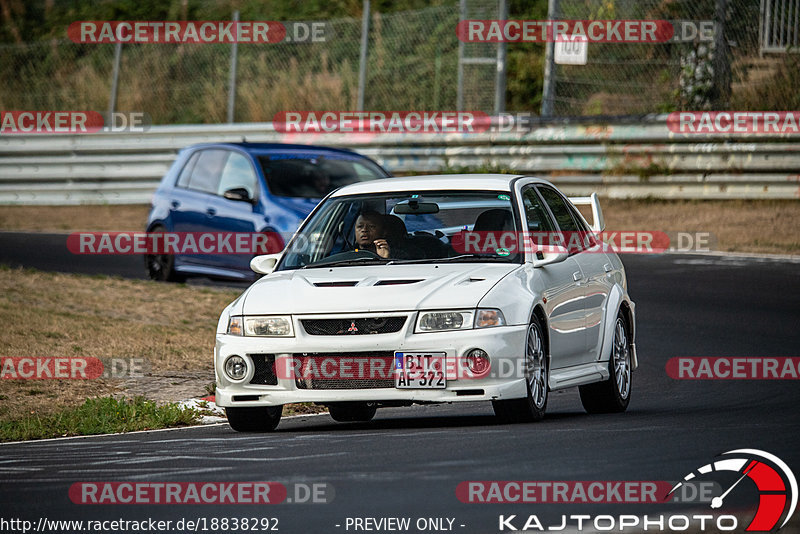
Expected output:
(419, 370)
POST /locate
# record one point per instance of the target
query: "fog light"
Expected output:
(235, 367)
(478, 362)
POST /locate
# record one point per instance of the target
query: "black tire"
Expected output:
(161, 267)
(537, 374)
(612, 395)
(351, 412)
(254, 419)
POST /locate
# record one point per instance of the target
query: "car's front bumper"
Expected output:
(504, 345)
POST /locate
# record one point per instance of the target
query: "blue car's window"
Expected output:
(314, 175)
(207, 171)
(186, 173)
(238, 174)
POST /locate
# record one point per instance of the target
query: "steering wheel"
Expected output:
(366, 252)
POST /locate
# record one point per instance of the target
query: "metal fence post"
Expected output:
(462, 6)
(232, 74)
(112, 98)
(722, 71)
(549, 89)
(362, 62)
(500, 80)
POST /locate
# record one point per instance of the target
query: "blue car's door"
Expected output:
(228, 215)
(191, 207)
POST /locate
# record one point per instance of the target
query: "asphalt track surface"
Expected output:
(408, 461)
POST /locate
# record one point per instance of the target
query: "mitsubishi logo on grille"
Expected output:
(353, 329)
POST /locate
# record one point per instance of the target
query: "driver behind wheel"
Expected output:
(370, 233)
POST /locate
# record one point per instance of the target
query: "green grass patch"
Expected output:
(99, 416)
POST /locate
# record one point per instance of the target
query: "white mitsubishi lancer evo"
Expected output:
(431, 289)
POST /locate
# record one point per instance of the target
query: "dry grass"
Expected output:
(170, 327)
(766, 226)
(73, 218)
(738, 225)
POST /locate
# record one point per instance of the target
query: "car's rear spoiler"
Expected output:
(598, 223)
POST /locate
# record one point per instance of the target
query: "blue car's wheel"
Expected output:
(161, 267)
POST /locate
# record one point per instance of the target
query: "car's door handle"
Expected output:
(577, 275)
(211, 212)
(607, 267)
(175, 204)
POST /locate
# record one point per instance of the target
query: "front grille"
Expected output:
(358, 326)
(264, 370)
(383, 377)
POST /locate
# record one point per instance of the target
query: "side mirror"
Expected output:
(555, 254)
(238, 193)
(265, 264)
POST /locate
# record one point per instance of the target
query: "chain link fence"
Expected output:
(412, 64)
(693, 74)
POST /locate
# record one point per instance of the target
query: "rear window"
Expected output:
(206, 173)
(314, 175)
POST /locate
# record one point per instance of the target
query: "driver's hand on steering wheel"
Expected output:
(382, 248)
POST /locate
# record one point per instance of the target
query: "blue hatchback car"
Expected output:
(254, 188)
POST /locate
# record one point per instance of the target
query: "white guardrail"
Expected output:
(623, 158)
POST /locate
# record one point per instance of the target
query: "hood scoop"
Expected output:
(470, 280)
(396, 282)
(343, 283)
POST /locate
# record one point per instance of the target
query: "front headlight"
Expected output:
(437, 321)
(441, 321)
(265, 326)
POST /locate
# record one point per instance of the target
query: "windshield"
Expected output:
(309, 175)
(407, 227)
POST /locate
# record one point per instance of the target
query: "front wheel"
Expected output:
(533, 406)
(349, 412)
(254, 419)
(614, 394)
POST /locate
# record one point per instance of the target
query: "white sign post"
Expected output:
(573, 51)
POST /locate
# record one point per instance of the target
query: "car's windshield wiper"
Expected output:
(344, 263)
(460, 257)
